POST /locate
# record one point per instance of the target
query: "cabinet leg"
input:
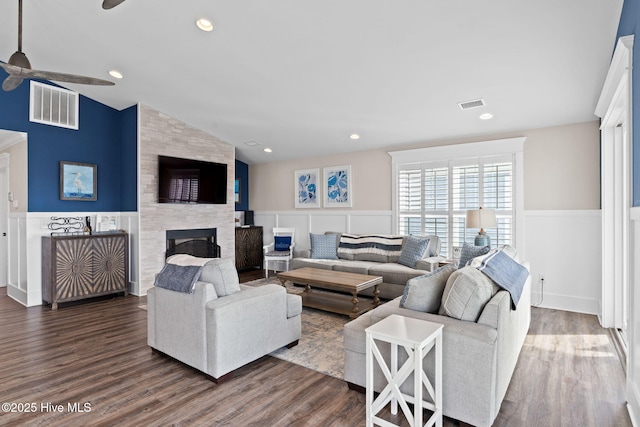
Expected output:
(54, 306)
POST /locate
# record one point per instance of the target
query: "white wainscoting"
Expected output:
(317, 222)
(565, 248)
(25, 240)
(17, 257)
(633, 332)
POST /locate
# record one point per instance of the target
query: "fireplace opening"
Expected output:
(200, 242)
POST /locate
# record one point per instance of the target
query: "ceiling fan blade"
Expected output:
(15, 76)
(67, 78)
(110, 4)
(11, 82)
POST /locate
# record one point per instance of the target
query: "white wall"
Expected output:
(565, 248)
(633, 362)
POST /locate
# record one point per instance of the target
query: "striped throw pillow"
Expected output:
(370, 247)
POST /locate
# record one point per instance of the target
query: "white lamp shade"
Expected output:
(481, 218)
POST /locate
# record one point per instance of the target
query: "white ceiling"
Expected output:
(299, 76)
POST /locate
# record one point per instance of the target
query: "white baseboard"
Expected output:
(17, 294)
(565, 303)
(633, 404)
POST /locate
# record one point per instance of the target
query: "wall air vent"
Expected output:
(471, 104)
(51, 105)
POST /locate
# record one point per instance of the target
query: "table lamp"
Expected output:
(480, 218)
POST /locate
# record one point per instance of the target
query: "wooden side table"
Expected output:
(417, 337)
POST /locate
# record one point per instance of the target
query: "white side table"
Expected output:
(417, 337)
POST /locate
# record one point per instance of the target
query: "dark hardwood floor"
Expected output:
(95, 353)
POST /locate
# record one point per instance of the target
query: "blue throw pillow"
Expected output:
(469, 252)
(413, 250)
(282, 243)
(324, 246)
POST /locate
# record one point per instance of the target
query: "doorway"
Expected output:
(614, 109)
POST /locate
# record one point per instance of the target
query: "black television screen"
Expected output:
(191, 181)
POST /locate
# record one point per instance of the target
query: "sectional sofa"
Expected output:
(372, 254)
(482, 338)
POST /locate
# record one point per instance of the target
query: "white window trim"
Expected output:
(460, 152)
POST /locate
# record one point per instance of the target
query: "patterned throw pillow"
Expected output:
(413, 250)
(469, 252)
(282, 243)
(370, 247)
(323, 246)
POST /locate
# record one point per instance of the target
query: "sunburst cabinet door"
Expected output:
(73, 269)
(109, 264)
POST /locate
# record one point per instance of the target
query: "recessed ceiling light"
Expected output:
(204, 24)
(486, 116)
(115, 74)
(354, 136)
(268, 150)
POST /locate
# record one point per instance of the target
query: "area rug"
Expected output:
(320, 346)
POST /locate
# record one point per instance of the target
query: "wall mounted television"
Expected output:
(191, 181)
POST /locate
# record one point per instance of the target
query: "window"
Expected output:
(432, 197)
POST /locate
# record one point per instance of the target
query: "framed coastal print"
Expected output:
(337, 187)
(236, 191)
(306, 188)
(78, 181)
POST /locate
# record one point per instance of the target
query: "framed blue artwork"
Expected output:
(306, 188)
(337, 187)
(78, 181)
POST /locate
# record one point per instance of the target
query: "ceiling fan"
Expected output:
(19, 67)
(110, 4)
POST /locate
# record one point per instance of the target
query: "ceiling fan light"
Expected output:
(19, 59)
(204, 24)
(115, 74)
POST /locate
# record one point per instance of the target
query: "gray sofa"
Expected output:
(479, 356)
(222, 325)
(394, 275)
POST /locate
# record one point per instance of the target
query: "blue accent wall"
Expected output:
(629, 23)
(106, 137)
(129, 159)
(242, 173)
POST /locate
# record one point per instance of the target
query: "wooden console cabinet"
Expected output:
(78, 267)
(248, 247)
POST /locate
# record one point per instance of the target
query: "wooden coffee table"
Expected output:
(336, 281)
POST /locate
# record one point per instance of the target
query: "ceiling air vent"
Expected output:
(471, 104)
(252, 143)
(51, 105)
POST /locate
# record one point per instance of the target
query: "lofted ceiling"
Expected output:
(300, 76)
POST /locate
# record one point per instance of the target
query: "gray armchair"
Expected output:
(218, 334)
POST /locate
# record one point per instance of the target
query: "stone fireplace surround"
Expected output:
(160, 134)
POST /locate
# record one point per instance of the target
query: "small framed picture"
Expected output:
(237, 190)
(78, 181)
